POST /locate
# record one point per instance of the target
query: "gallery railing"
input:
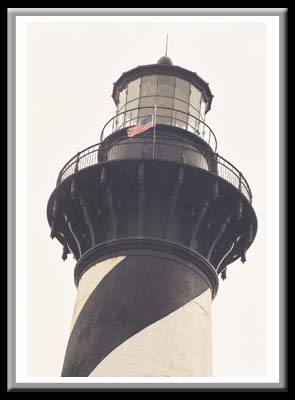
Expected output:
(164, 116)
(143, 147)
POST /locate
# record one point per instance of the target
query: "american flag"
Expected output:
(145, 124)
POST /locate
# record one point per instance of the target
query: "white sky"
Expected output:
(71, 69)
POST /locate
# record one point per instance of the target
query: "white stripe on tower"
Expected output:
(176, 345)
(140, 315)
(88, 282)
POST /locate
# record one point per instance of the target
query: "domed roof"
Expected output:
(165, 61)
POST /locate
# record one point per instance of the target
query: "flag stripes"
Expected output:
(144, 125)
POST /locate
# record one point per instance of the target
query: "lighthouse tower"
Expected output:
(153, 215)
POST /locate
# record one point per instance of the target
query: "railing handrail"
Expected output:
(218, 159)
(240, 174)
(174, 119)
(67, 164)
(162, 108)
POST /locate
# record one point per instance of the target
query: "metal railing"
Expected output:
(162, 149)
(231, 174)
(164, 115)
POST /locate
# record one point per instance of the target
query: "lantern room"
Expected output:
(181, 97)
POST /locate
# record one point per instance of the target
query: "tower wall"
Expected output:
(144, 314)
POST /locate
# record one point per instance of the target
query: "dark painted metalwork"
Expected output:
(74, 188)
(251, 235)
(161, 186)
(67, 241)
(65, 251)
(74, 236)
(223, 274)
(169, 149)
(219, 266)
(141, 199)
(53, 220)
(193, 241)
(88, 221)
(240, 209)
(112, 211)
(215, 190)
(103, 176)
(167, 185)
(244, 250)
(173, 203)
(152, 247)
(77, 162)
(217, 238)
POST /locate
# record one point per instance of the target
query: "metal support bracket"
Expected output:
(141, 199)
(193, 241)
(173, 202)
(217, 238)
(88, 221)
(112, 211)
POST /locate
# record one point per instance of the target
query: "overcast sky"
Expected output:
(71, 70)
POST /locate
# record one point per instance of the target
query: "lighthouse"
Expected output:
(153, 216)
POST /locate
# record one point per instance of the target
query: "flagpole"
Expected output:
(154, 123)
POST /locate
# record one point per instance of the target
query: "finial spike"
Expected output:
(166, 45)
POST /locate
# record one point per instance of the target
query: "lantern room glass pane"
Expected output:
(195, 100)
(148, 104)
(181, 102)
(148, 93)
(131, 101)
(193, 122)
(119, 121)
(182, 89)
(133, 90)
(181, 113)
(122, 100)
(148, 85)
(166, 87)
(164, 110)
(194, 110)
(203, 109)
(133, 114)
(120, 109)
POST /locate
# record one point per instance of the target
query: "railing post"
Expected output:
(59, 178)
(98, 154)
(77, 162)
(240, 181)
(215, 163)
(182, 155)
(143, 150)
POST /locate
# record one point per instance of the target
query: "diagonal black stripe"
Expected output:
(139, 291)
